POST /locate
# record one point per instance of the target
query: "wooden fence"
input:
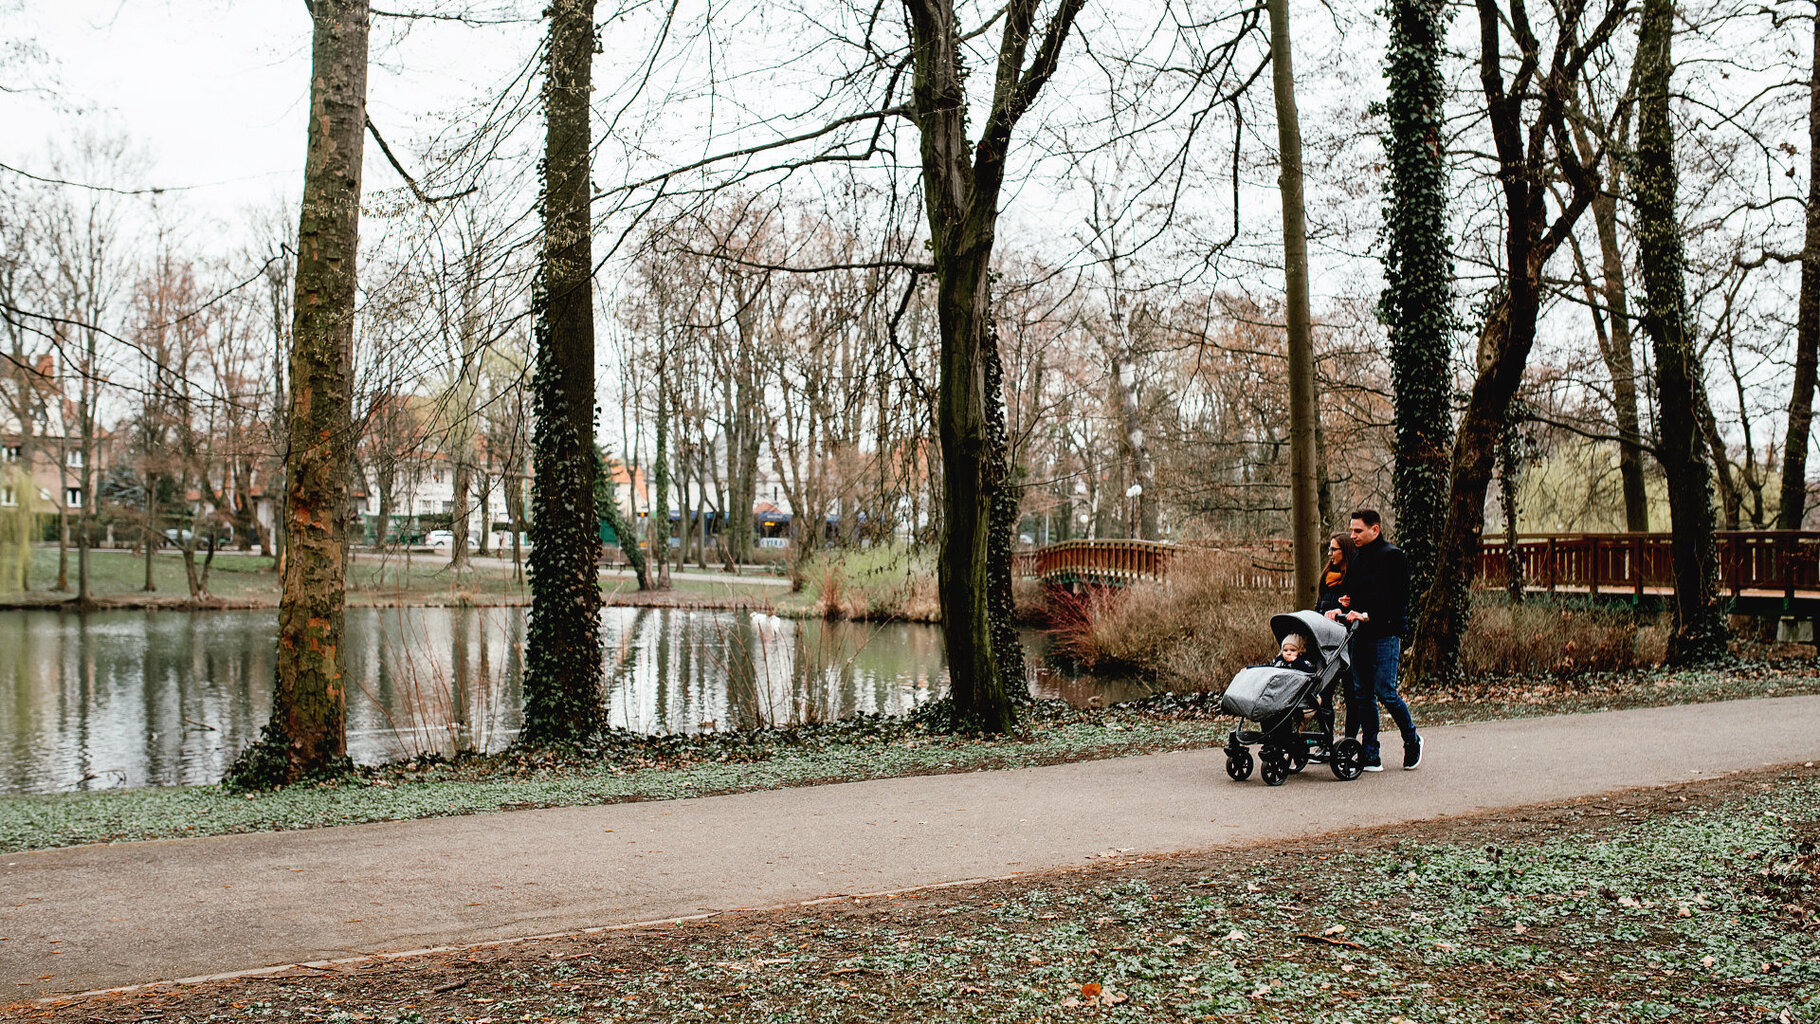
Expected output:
(1753, 563)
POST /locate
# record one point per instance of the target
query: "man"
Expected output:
(1375, 594)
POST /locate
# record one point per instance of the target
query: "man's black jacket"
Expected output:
(1378, 581)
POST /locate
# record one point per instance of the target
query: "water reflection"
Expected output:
(135, 698)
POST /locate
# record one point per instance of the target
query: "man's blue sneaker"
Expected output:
(1412, 754)
(1373, 764)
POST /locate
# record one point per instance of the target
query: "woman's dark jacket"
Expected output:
(1329, 597)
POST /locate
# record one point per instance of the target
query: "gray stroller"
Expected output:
(1293, 711)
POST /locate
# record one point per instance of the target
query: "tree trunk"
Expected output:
(1007, 649)
(961, 184)
(466, 400)
(151, 528)
(463, 516)
(1510, 473)
(1304, 493)
(1417, 304)
(1525, 166)
(84, 473)
(1619, 360)
(563, 696)
(309, 706)
(1700, 634)
(63, 517)
(625, 529)
(660, 505)
(1793, 508)
(1731, 502)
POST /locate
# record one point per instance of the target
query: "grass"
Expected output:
(117, 577)
(1696, 905)
(663, 768)
(876, 583)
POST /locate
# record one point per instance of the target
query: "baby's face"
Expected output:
(1291, 650)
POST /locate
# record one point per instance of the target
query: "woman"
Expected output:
(1339, 556)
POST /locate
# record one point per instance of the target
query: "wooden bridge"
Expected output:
(1761, 571)
(1259, 565)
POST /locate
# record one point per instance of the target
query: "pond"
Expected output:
(144, 698)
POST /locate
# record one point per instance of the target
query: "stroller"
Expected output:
(1293, 710)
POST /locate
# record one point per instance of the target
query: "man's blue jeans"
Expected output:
(1374, 682)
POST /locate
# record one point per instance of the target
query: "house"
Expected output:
(41, 470)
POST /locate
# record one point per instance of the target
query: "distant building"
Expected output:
(42, 469)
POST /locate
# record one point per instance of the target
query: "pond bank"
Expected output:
(632, 768)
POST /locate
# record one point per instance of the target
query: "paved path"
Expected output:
(99, 916)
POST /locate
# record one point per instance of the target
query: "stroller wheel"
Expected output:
(1276, 771)
(1348, 760)
(1238, 763)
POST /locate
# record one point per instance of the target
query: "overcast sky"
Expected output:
(213, 93)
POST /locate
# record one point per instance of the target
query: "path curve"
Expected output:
(100, 916)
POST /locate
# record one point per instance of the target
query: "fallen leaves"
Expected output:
(1095, 994)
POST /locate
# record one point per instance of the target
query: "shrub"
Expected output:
(1552, 639)
(1210, 617)
(878, 583)
(1191, 630)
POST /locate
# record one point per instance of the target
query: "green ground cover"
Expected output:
(661, 768)
(1691, 904)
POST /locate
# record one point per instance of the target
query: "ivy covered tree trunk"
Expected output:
(1304, 490)
(1417, 304)
(625, 531)
(563, 674)
(1526, 170)
(309, 707)
(961, 185)
(1510, 481)
(1007, 649)
(1807, 321)
(1700, 634)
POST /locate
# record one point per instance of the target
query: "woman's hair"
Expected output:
(1344, 540)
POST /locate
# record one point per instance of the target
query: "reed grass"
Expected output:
(1195, 628)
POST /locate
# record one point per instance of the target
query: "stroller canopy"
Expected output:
(1329, 636)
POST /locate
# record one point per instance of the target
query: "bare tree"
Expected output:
(962, 180)
(1700, 634)
(1305, 513)
(1531, 149)
(1799, 427)
(308, 731)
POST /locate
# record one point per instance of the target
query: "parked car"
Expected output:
(446, 539)
(224, 535)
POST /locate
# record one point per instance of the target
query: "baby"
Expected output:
(1294, 654)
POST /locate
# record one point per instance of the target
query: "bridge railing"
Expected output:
(1106, 560)
(1759, 561)
(1778, 561)
(1260, 566)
